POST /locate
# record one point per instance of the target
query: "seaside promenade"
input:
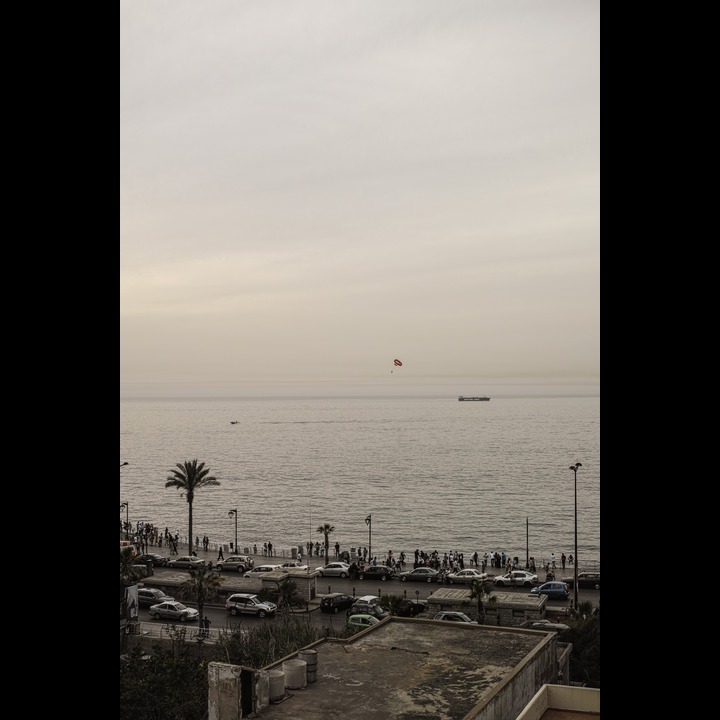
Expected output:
(280, 555)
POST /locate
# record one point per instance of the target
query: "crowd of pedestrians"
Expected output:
(144, 535)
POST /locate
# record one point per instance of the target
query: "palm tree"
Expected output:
(480, 590)
(393, 603)
(287, 589)
(189, 478)
(326, 529)
(202, 585)
(129, 572)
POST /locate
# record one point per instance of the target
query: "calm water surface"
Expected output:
(434, 473)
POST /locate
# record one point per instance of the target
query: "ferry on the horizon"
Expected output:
(476, 397)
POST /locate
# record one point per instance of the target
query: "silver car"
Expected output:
(467, 576)
(147, 597)
(173, 610)
(185, 562)
(335, 569)
(235, 563)
(450, 616)
(516, 578)
(249, 604)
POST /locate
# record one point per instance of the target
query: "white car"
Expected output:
(450, 616)
(173, 610)
(294, 565)
(260, 569)
(467, 575)
(335, 569)
(516, 578)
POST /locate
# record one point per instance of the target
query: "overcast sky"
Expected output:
(310, 189)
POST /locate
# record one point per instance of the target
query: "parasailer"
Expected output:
(397, 362)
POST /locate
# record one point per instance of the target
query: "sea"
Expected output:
(393, 473)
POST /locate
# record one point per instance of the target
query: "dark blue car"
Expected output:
(554, 589)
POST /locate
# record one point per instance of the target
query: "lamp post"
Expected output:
(368, 522)
(127, 523)
(230, 514)
(127, 509)
(574, 468)
(527, 543)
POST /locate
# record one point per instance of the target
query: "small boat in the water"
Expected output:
(462, 398)
(234, 422)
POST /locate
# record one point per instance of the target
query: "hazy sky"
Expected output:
(312, 188)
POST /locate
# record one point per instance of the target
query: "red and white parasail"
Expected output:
(397, 362)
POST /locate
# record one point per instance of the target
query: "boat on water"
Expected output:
(463, 398)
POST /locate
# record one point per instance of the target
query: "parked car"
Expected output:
(152, 596)
(361, 622)
(453, 616)
(588, 580)
(335, 569)
(368, 605)
(173, 610)
(334, 602)
(375, 572)
(294, 565)
(156, 559)
(185, 562)
(249, 604)
(555, 589)
(544, 625)
(516, 578)
(419, 574)
(260, 569)
(411, 608)
(467, 575)
(235, 563)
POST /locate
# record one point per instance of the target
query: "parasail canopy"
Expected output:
(397, 362)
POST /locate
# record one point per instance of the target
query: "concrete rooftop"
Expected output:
(412, 669)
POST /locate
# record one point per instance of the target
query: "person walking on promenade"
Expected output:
(337, 549)
(562, 560)
(220, 553)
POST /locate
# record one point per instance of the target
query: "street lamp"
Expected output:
(368, 522)
(127, 510)
(127, 523)
(230, 514)
(527, 543)
(574, 468)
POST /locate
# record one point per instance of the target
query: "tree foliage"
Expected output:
(168, 684)
(266, 643)
(584, 635)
